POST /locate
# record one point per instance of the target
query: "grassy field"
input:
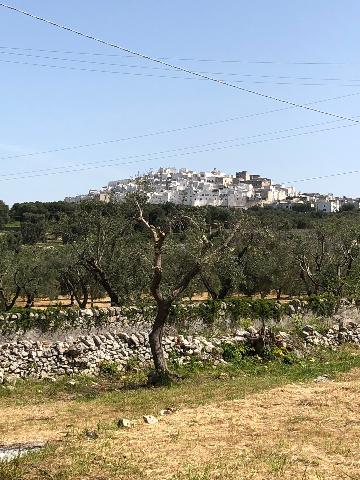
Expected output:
(250, 421)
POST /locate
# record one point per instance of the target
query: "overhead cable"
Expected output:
(176, 67)
(147, 67)
(184, 59)
(321, 177)
(156, 156)
(174, 130)
(173, 77)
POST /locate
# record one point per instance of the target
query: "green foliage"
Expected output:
(302, 207)
(235, 353)
(51, 319)
(238, 312)
(347, 207)
(96, 249)
(238, 353)
(4, 214)
(208, 311)
(274, 352)
(50, 210)
(132, 364)
(33, 228)
(11, 470)
(108, 368)
(323, 305)
(194, 364)
(101, 239)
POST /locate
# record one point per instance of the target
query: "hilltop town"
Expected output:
(240, 190)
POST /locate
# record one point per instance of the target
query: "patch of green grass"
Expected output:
(12, 225)
(277, 462)
(191, 475)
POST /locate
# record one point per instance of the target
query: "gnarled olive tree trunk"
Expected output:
(8, 305)
(156, 335)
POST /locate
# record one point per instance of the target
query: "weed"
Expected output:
(109, 369)
(192, 475)
(246, 323)
(132, 364)
(277, 463)
(235, 353)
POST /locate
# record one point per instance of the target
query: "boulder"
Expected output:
(124, 423)
(150, 419)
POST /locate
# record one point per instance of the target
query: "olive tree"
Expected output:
(225, 274)
(9, 290)
(74, 279)
(182, 248)
(4, 214)
(104, 242)
(328, 254)
(25, 271)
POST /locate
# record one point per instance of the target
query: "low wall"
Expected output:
(23, 358)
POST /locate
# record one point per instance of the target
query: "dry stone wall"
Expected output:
(77, 353)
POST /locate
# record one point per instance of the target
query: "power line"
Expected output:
(83, 69)
(175, 130)
(321, 177)
(92, 62)
(173, 77)
(231, 140)
(186, 59)
(176, 67)
(157, 156)
(146, 67)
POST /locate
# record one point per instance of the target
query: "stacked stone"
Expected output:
(69, 318)
(86, 353)
(338, 334)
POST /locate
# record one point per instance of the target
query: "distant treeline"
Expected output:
(34, 218)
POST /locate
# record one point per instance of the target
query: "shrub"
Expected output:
(235, 353)
(323, 305)
(107, 368)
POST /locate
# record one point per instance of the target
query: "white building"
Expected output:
(187, 187)
(327, 204)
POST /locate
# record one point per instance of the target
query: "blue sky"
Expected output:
(47, 108)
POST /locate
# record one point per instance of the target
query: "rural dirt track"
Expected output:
(303, 431)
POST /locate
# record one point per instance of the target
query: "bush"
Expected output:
(323, 305)
(277, 353)
(235, 353)
(108, 369)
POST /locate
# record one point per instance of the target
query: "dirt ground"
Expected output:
(304, 431)
(42, 303)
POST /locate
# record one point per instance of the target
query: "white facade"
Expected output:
(327, 205)
(187, 187)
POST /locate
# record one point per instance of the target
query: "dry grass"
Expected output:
(307, 431)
